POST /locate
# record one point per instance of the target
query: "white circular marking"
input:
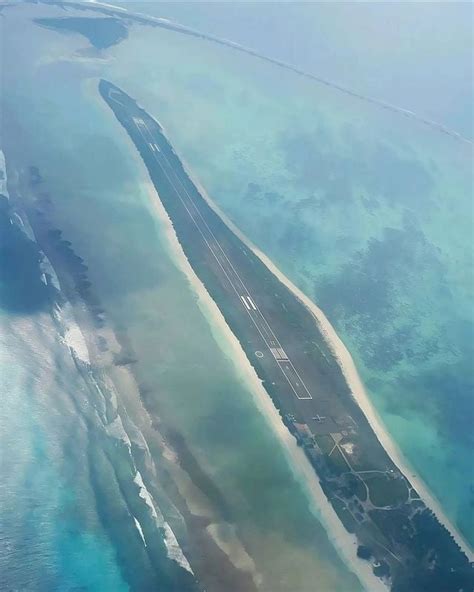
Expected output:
(259, 354)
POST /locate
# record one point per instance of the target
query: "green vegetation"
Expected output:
(344, 514)
(382, 570)
(338, 462)
(324, 442)
(386, 490)
(356, 486)
(364, 552)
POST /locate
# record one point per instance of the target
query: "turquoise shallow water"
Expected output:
(72, 482)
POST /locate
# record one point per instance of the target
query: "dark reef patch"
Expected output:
(101, 32)
(439, 387)
(68, 265)
(22, 290)
(363, 296)
(317, 163)
(298, 237)
(367, 300)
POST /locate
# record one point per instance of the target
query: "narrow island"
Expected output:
(402, 538)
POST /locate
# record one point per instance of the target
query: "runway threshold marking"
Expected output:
(251, 303)
(266, 328)
(246, 304)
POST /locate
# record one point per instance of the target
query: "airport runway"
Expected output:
(246, 302)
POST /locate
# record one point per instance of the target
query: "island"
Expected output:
(406, 544)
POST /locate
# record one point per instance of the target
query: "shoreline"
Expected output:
(179, 28)
(349, 370)
(351, 375)
(76, 332)
(343, 542)
(302, 468)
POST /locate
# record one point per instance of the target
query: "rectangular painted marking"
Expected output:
(251, 303)
(298, 396)
(245, 302)
(280, 355)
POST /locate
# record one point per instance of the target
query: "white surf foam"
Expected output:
(116, 430)
(174, 551)
(47, 269)
(3, 175)
(140, 530)
(75, 340)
